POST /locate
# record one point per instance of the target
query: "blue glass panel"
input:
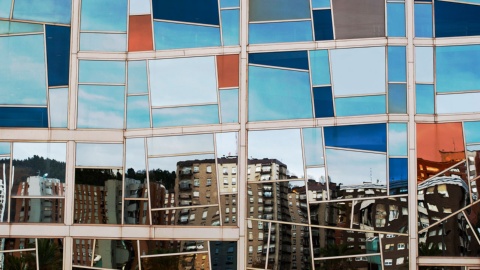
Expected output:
(178, 36)
(229, 106)
(298, 59)
(358, 70)
(423, 20)
(205, 11)
(184, 116)
(320, 68)
(55, 11)
(273, 90)
(103, 42)
(364, 137)
(138, 112)
(397, 64)
(104, 15)
(397, 139)
(100, 106)
(139, 7)
(425, 101)
(322, 24)
(58, 54)
(424, 64)
(456, 19)
(397, 98)
(472, 132)
(97, 71)
(320, 3)
(457, 68)
(99, 154)
(137, 77)
(22, 72)
(23, 117)
(280, 32)
(396, 19)
(183, 81)
(270, 10)
(350, 106)
(458, 103)
(5, 6)
(231, 27)
(7, 27)
(58, 106)
(398, 175)
(323, 100)
(4, 148)
(313, 146)
(229, 3)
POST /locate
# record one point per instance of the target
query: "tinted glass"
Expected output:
(103, 42)
(58, 54)
(231, 27)
(54, 11)
(350, 106)
(424, 64)
(320, 68)
(456, 19)
(101, 106)
(138, 113)
(58, 101)
(176, 36)
(456, 68)
(425, 98)
(270, 10)
(397, 139)
(396, 19)
(365, 137)
(359, 19)
(205, 12)
(101, 72)
(397, 98)
(183, 116)
(322, 23)
(423, 20)
(137, 77)
(323, 100)
(397, 64)
(229, 106)
(104, 15)
(275, 32)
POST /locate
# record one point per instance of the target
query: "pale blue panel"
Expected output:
(458, 103)
(425, 100)
(424, 64)
(7, 27)
(103, 42)
(313, 146)
(229, 106)
(138, 112)
(319, 67)
(100, 106)
(457, 68)
(351, 106)
(397, 139)
(179, 36)
(280, 32)
(58, 106)
(358, 70)
(268, 10)
(271, 91)
(139, 7)
(185, 116)
(5, 6)
(231, 27)
(171, 145)
(104, 15)
(22, 72)
(229, 3)
(99, 155)
(4, 148)
(320, 3)
(182, 81)
(137, 77)
(395, 19)
(55, 11)
(472, 132)
(93, 71)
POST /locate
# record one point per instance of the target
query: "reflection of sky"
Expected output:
(226, 144)
(137, 77)
(103, 42)
(57, 151)
(135, 156)
(397, 139)
(4, 148)
(458, 103)
(100, 155)
(313, 145)
(229, 105)
(296, 184)
(101, 71)
(275, 32)
(184, 116)
(139, 7)
(170, 163)
(353, 168)
(283, 145)
(100, 106)
(457, 68)
(7, 27)
(229, 3)
(268, 10)
(472, 134)
(320, 68)
(138, 112)
(178, 35)
(180, 144)
(104, 15)
(424, 64)
(350, 106)
(5, 8)
(22, 71)
(317, 174)
(56, 11)
(230, 27)
(58, 107)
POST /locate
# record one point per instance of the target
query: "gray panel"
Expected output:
(270, 10)
(359, 18)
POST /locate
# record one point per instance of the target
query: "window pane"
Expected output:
(398, 175)
(424, 64)
(23, 117)
(177, 36)
(204, 12)
(457, 68)
(58, 105)
(7, 27)
(359, 19)
(229, 106)
(231, 27)
(103, 42)
(58, 54)
(138, 112)
(104, 15)
(313, 146)
(458, 103)
(323, 100)
(349, 106)
(371, 137)
(54, 11)
(183, 116)
(397, 64)
(271, 10)
(457, 19)
(99, 155)
(5, 8)
(397, 98)
(397, 139)
(139, 7)
(137, 77)
(172, 145)
(423, 20)
(322, 20)
(320, 3)
(292, 59)
(319, 67)
(100, 106)
(101, 72)
(425, 100)
(396, 19)
(280, 32)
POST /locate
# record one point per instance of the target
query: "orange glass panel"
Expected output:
(227, 67)
(140, 33)
(439, 146)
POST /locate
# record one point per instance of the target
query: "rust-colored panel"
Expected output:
(140, 33)
(227, 68)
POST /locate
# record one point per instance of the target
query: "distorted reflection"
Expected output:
(229, 209)
(473, 161)
(49, 251)
(198, 216)
(105, 254)
(136, 212)
(317, 186)
(98, 196)
(4, 187)
(38, 210)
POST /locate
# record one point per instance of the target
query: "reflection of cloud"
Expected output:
(170, 163)
(57, 151)
(397, 139)
(135, 156)
(100, 106)
(227, 144)
(283, 145)
(353, 168)
(193, 115)
(58, 107)
(180, 144)
(96, 154)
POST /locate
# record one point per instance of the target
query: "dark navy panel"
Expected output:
(398, 175)
(371, 137)
(455, 19)
(195, 11)
(297, 59)
(323, 101)
(322, 24)
(23, 117)
(58, 54)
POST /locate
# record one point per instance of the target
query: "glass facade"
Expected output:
(239, 134)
